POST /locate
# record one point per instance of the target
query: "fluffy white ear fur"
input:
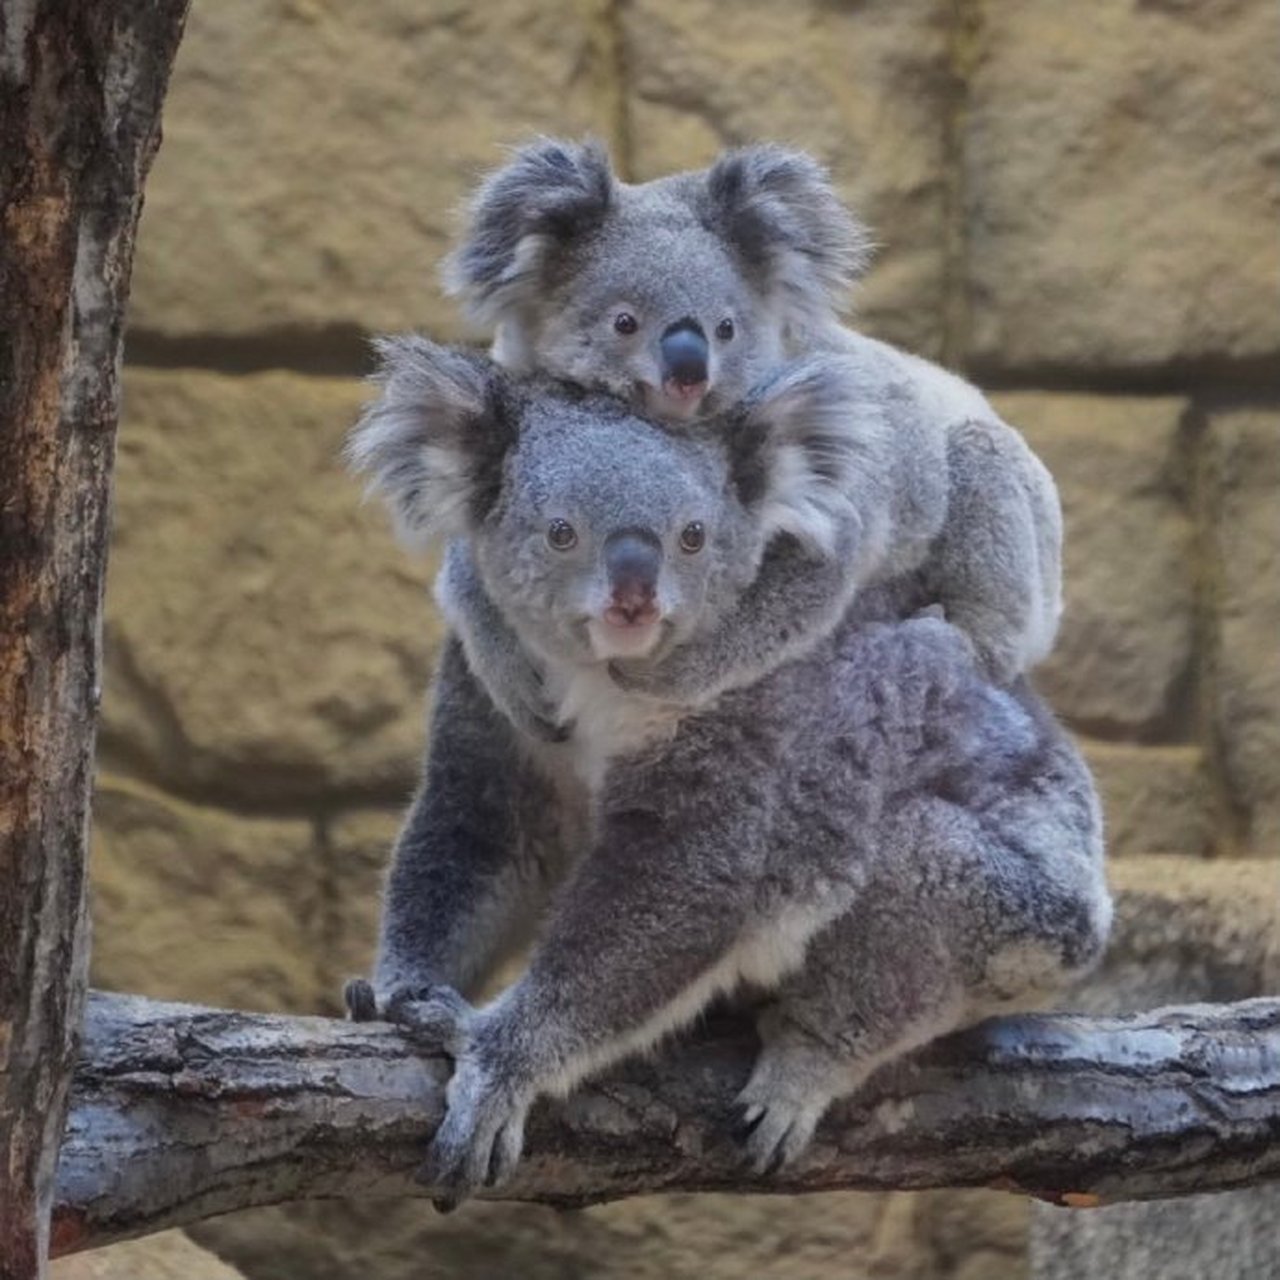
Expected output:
(549, 192)
(779, 209)
(429, 440)
(818, 451)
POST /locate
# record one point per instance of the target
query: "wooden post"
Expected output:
(81, 86)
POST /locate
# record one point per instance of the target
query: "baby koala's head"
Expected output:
(599, 534)
(678, 295)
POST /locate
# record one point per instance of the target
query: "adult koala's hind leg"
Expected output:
(987, 895)
(873, 987)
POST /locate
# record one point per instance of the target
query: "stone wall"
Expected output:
(1078, 205)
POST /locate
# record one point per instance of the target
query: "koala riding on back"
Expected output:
(876, 838)
(682, 296)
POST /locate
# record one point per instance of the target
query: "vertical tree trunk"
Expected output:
(81, 85)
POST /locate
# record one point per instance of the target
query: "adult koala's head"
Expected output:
(677, 294)
(597, 533)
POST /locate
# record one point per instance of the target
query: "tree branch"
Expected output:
(180, 1113)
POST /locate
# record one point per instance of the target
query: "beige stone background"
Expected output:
(1079, 206)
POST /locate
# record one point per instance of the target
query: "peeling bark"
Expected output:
(81, 85)
(180, 1113)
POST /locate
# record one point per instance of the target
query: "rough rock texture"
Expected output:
(1123, 654)
(1122, 184)
(314, 154)
(171, 1255)
(202, 904)
(355, 848)
(1155, 799)
(865, 87)
(713, 1237)
(1244, 691)
(1228, 1237)
(1071, 199)
(264, 641)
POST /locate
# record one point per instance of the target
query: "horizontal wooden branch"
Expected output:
(181, 1112)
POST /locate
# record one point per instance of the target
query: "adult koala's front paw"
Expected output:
(478, 1143)
(435, 1015)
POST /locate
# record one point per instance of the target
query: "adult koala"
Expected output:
(681, 294)
(874, 834)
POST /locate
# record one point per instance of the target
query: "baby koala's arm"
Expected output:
(794, 601)
(494, 653)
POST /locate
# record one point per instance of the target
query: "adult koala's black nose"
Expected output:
(633, 559)
(684, 353)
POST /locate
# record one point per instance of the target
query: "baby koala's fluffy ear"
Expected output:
(551, 192)
(799, 452)
(778, 209)
(433, 441)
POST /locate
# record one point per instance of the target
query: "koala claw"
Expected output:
(436, 1015)
(777, 1134)
(361, 1001)
(782, 1102)
(478, 1144)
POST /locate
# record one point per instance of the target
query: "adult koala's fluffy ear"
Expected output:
(433, 442)
(550, 193)
(801, 451)
(778, 210)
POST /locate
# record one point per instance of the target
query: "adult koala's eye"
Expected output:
(625, 323)
(561, 535)
(724, 330)
(693, 537)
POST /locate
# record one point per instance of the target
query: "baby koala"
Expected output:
(684, 294)
(874, 836)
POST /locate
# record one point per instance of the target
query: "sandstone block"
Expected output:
(864, 87)
(191, 903)
(1122, 184)
(265, 638)
(1186, 930)
(169, 1255)
(358, 847)
(314, 154)
(1123, 653)
(1245, 685)
(1155, 799)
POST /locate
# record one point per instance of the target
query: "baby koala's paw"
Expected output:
(478, 1144)
(435, 1015)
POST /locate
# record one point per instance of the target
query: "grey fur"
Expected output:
(873, 834)
(555, 247)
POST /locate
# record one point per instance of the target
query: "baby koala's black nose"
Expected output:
(684, 353)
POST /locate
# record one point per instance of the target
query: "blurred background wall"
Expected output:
(1078, 206)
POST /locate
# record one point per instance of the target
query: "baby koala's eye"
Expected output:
(561, 535)
(625, 323)
(724, 330)
(692, 537)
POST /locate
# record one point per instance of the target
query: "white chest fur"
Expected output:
(607, 721)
